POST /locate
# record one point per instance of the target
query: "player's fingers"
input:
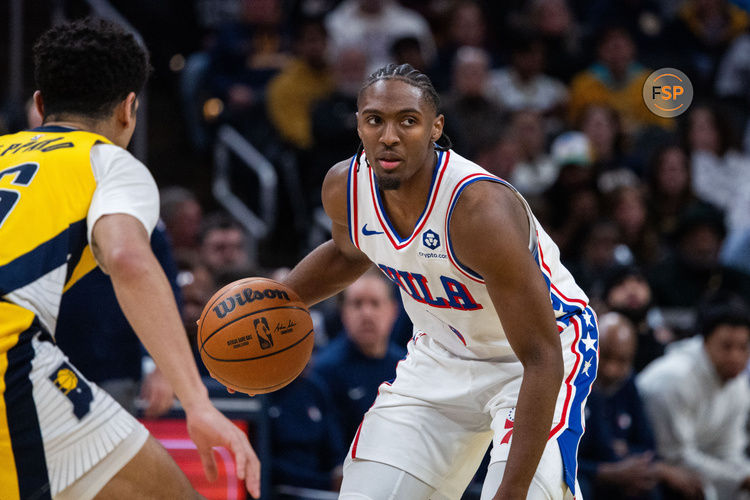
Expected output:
(240, 457)
(209, 463)
(248, 465)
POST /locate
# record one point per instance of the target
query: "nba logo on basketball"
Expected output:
(263, 333)
(430, 239)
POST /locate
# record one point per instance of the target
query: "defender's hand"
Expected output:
(208, 428)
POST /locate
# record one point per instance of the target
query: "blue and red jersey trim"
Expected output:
(351, 200)
(396, 240)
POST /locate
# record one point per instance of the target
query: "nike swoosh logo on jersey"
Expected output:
(367, 232)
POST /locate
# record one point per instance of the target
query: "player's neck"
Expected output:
(105, 128)
(405, 204)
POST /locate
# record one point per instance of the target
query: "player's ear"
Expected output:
(125, 111)
(437, 127)
(39, 103)
(356, 116)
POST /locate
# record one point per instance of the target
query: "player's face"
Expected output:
(398, 128)
(729, 350)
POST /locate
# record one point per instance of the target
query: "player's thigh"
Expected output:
(547, 484)
(368, 480)
(151, 474)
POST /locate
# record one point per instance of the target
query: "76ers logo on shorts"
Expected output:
(70, 383)
(431, 239)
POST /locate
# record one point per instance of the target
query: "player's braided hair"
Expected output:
(87, 67)
(407, 73)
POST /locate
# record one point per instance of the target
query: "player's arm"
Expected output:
(490, 234)
(336, 263)
(121, 246)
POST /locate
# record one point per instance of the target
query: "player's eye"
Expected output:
(409, 121)
(373, 120)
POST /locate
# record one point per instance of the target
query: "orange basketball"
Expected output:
(255, 335)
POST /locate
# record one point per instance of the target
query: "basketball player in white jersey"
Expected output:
(504, 349)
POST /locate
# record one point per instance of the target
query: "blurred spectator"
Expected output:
(536, 171)
(246, 56)
(334, 120)
(554, 22)
(617, 455)
(523, 84)
(601, 251)
(498, 151)
(615, 79)
(602, 125)
(697, 398)
(356, 362)
(465, 25)
(700, 34)
(735, 252)
(374, 25)
(211, 14)
(733, 75)
(183, 217)
(643, 19)
(627, 208)
(627, 292)
(733, 83)
(720, 172)
(306, 442)
(100, 341)
(306, 79)
(693, 268)
(670, 189)
(223, 245)
(573, 202)
(197, 286)
(406, 50)
(470, 114)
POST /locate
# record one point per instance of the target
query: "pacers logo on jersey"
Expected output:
(74, 388)
(431, 239)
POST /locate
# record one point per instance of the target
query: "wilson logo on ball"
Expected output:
(247, 296)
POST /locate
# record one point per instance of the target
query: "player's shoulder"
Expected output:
(334, 191)
(488, 198)
(109, 159)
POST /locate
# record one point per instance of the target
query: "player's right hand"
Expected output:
(208, 428)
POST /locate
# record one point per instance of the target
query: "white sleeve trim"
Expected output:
(123, 186)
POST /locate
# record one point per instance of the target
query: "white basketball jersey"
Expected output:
(445, 299)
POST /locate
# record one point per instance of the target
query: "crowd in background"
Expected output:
(651, 215)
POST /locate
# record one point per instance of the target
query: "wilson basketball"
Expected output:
(255, 335)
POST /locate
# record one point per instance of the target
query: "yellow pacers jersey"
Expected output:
(46, 186)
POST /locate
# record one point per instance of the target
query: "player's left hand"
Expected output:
(209, 428)
(158, 394)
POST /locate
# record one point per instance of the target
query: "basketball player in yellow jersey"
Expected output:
(71, 196)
